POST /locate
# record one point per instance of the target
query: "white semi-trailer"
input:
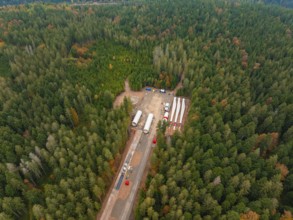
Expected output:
(136, 118)
(148, 123)
(177, 112)
(182, 110)
(173, 109)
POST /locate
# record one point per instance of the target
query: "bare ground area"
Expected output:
(124, 191)
(135, 97)
(136, 159)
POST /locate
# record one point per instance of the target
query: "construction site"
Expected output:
(150, 106)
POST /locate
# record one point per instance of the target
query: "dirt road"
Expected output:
(120, 202)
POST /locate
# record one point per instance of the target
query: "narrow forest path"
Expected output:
(179, 85)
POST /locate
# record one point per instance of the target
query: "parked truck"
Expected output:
(167, 107)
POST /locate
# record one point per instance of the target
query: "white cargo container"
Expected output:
(148, 123)
(136, 118)
(166, 116)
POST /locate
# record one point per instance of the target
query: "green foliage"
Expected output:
(4, 65)
(46, 165)
(285, 3)
(226, 156)
(61, 67)
(16, 2)
(110, 64)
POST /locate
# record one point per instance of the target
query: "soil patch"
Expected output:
(124, 191)
(136, 159)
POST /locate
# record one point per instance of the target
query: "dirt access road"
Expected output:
(119, 204)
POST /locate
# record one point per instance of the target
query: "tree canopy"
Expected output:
(61, 140)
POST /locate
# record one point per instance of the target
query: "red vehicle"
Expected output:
(154, 140)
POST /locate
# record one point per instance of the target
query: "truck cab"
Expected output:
(167, 107)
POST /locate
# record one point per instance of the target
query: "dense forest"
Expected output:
(61, 140)
(17, 2)
(284, 3)
(233, 159)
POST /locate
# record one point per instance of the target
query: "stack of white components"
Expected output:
(177, 112)
(173, 109)
(182, 110)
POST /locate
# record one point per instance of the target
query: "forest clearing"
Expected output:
(119, 204)
(64, 122)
